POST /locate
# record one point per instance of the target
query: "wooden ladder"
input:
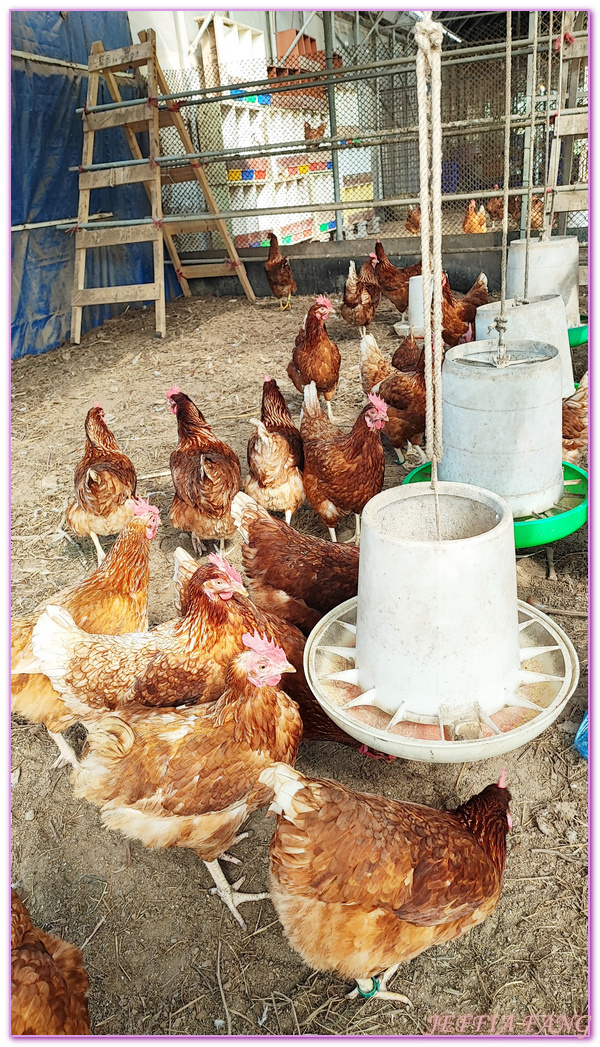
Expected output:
(133, 120)
(571, 122)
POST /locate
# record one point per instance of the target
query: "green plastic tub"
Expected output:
(567, 516)
(578, 335)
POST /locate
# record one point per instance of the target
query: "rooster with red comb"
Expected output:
(316, 358)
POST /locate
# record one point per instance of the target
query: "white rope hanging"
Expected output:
(531, 156)
(429, 36)
(501, 321)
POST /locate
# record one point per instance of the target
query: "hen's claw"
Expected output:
(228, 892)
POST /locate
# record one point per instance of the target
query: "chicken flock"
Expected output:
(196, 723)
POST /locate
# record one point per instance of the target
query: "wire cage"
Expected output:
(336, 156)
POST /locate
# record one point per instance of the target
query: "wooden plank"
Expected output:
(570, 201)
(578, 49)
(165, 119)
(170, 175)
(191, 272)
(83, 210)
(576, 124)
(154, 186)
(115, 176)
(117, 293)
(136, 152)
(583, 275)
(121, 58)
(135, 234)
(205, 186)
(119, 118)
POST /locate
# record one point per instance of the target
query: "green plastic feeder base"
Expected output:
(567, 516)
(578, 335)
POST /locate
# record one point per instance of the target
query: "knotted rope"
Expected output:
(429, 36)
(501, 321)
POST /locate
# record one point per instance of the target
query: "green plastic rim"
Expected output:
(578, 335)
(566, 516)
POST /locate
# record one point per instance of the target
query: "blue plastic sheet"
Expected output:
(46, 139)
(581, 738)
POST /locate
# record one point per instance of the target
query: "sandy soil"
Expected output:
(163, 955)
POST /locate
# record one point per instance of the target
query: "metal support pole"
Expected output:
(356, 29)
(200, 33)
(327, 26)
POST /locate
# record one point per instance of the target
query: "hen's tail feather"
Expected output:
(52, 637)
(285, 781)
(311, 400)
(111, 736)
(244, 510)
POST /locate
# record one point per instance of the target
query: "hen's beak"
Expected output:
(288, 668)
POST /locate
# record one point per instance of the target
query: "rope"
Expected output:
(429, 37)
(501, 321)
(531, 155)
(546, 226)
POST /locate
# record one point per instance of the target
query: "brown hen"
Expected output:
(363, 884)
(575, 423)
(404, 391)
(458, 315)
(362, 295)
(206, 474)
(393, 281)
(474, 221)
(374, 368)
(190, 777)
(113, 600)
(295, 576)
(279, 273)
(342, 471)
(316, 358)
(104, 482)
(275, 455)
(49, 985)
(413, 221)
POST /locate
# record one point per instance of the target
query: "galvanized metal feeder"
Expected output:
(436, 659)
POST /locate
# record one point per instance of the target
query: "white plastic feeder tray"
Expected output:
(435, 659)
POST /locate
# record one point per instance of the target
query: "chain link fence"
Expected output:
(284, 151)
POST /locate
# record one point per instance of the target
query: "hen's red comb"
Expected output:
(267, 379)
(226, 567)
(378, 403)
(173, 391)
(502, 779)
(263, 647)
(323, 301)
(142, 507)
(98, 405)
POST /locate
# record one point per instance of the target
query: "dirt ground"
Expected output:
(164, 956)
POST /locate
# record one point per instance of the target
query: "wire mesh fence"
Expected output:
(320, 157)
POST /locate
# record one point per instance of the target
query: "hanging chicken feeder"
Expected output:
(435, 659)
(503, 424)
(553, 268)
(544, 316)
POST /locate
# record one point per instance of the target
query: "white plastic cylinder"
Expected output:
(415, 301)
(437, 621)
(502, 426)
(544, 318)
(553, 269)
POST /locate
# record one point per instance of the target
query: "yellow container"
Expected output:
(234, 176)
(304, 169)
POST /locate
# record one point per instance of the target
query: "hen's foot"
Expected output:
(222, 550)
(369, 987)
(66, 755)
(329, 414)
(229, 894)
(332, 534)
(288, 517)
(551, 575)
(197, 545)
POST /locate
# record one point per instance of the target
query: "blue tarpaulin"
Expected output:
(47, 139)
